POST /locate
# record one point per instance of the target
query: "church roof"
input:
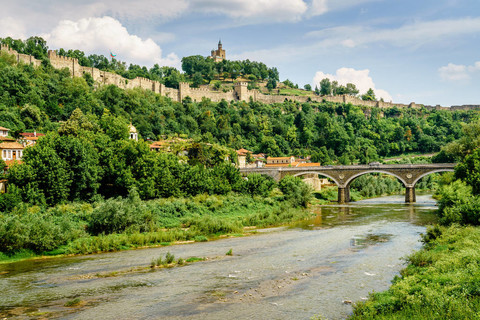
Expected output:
(132, 129)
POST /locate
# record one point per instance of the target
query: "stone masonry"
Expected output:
(240, 92)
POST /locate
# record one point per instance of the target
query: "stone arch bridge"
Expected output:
(408, 174)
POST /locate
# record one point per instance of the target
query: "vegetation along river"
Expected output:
(312, 269)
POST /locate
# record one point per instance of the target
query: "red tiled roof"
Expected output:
(292, 165)
(243, 151)
(2, 138)
(10, 145)
(309, 164)
(31, 134)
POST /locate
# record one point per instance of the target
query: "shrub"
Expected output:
(257, 184)
(295, 191)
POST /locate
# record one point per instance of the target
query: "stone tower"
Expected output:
(219, 54)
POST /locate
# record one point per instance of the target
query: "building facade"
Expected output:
(219, 54)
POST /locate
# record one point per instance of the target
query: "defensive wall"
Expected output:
(240, 91)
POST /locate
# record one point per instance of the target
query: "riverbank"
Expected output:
(441, 281)
(340, 254)
(123, 224)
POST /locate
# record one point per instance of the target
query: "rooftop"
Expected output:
(10, 145)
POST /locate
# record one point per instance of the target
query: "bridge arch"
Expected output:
(430, 172)
(350, 180)
(320, 173)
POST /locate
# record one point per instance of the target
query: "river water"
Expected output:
(315, 268)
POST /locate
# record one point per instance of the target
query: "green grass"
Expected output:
(442, 281)
(199, 218)
(73, 303)
(17, 256)
(295, 92)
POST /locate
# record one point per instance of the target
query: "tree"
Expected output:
(295, 191)
(469, 171)
(369, 95)
(325, 87)
(197, 80)
(272, 84)
(307, 87)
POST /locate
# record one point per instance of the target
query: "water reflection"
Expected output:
(365, 211)
(342, 253)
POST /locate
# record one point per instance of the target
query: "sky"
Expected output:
(425, 51)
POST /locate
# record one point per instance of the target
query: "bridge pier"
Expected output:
(410, 195)
(343, 194)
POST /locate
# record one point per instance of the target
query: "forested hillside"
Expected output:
(40, 98)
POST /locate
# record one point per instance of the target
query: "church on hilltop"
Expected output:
(219, 54)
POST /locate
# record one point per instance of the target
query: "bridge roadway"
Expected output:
(408, 174)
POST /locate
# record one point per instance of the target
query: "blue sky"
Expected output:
(407, 50)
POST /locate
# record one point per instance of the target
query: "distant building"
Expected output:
(280, 161)
(257, 160)
(133, 132)
(219, 54)
(4, 135)
(11, 151)
(29, 138)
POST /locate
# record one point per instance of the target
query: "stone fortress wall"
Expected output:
(240, 91)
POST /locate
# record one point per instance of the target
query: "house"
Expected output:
(256, 161)
(29, 138)
(4, 135)
(280, 161)
(11, 151)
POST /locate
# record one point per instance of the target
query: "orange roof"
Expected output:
(10, 145)
(308, 164)
(2, 138)
(10, 163)
(243, 151)
(2, 128)
(279, 158)
(293, 165)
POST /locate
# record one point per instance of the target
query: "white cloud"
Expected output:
(360, 78)
(458, 72)
(318, 7)
(10, 27)
(100, 35)
(258, 10)
(415, 34)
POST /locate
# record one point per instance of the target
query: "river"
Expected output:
(315, 268)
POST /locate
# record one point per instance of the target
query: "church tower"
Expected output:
(219, 54)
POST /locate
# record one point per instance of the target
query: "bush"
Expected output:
(296, 191)
(258, 185)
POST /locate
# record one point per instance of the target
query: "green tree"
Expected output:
(469, 171)
(325, 87)
(295, 191)
(369, 95)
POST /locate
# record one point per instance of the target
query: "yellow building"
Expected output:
(219, 54)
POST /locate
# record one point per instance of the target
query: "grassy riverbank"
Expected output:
(121, 224)
(442, 281)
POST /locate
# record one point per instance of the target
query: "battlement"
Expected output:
(240, 90)
(52, 55)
